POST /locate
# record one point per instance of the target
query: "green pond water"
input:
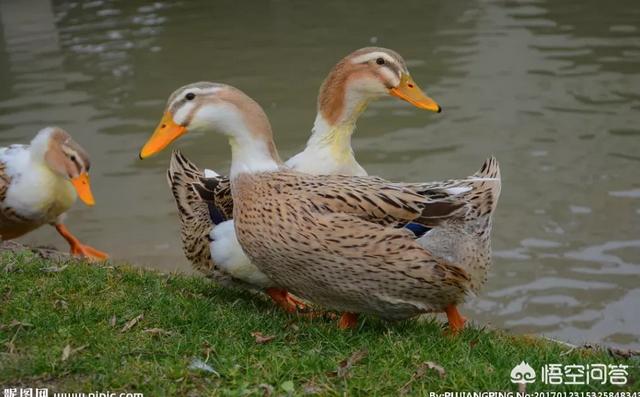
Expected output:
(552, 88)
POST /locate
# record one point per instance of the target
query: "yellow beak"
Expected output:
(409, 91)
(166, 132)
(83, 188)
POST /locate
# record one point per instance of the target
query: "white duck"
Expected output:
(39, 182)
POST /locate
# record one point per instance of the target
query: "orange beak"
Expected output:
(166, 132)
(83, 188)
(409, 91)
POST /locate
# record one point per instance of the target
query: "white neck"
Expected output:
(251, 151)
(40, 144)
(249, 155)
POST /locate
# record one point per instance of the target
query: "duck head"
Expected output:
(366, 74)
(214, 107)
(65, 157)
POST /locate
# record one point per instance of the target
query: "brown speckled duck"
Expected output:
(341, 241)
(362, 76)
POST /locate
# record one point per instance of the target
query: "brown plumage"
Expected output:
(5, 181)
(198, 198)
(332, 95)
(328, 151)
(338, 241)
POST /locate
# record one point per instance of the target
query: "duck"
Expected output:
(362, 76)
(339, 241)
(39, 183)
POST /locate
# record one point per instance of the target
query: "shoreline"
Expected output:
(72, 326)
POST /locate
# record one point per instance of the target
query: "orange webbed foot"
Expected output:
(89, 253)
(79, 249)
(291, 304)
(456, 320)
(283, 299)
(300, 305)
(348, 321)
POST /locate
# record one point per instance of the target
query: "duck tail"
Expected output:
(462, 200)
(481, 199)
(194, 199)
(488, 186)
(490, 169)
(462, 235)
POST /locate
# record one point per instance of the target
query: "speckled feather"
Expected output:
(461, 222)
(338, 241)
(196, 196)
(5, 181)
(9, 218)
(328, 150)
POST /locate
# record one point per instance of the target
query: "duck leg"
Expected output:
(77, 248)
(348, 321)
(297, 302)
(456, 321)
(285, 300)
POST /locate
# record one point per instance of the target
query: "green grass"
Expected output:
(41, 312)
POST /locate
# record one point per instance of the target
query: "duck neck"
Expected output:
(334, 126)
(43, 159)
(253, 153)
(39, 146)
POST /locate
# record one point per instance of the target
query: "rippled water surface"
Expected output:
(552, 88)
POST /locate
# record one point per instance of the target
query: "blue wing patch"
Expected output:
(417, 229)
(215, 214)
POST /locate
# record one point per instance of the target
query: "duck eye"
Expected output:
(74, 160)
(189, 96)
(380, 61)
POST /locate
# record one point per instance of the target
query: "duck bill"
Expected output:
(166, 132)
(83, 188)
(409, 91)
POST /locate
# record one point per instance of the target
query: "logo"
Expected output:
(572, 374)
(523, 373)
(25, 392)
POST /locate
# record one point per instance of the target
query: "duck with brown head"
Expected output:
(333, 239)
(362, 76)
(197, 106)
(39, 182)
(359, 78)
